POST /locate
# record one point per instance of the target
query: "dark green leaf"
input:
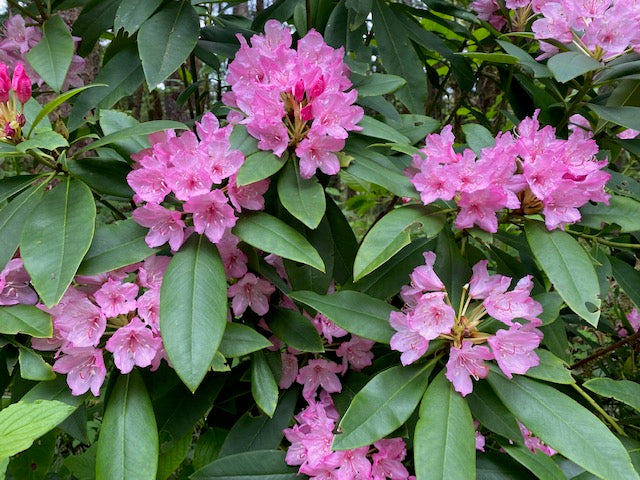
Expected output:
(57, 236)
(568, 267)
(356, 312)
(622, 211)
(568, 65)
(626, 116)
(47, 140)
(539, 70)
(624, 391)
(240, 139)
(382, 406)
(25, 319)
(115, 245)
(128, 439)
(263, 386)
(56, 389)
(478, 137)
(452, 269)
(274, 236)
(495, 466)
(444, 442)
(34, 463)
(95, 18)
(303, 198)
(239, 340)
(193, 309)
(378, 84)
(9, 186)
(166, 39)
(295, 330)
(627, 277)
(551, 304)
(564, 425)
(112, 121)
(51, 57)
(132, 13)
(539, 464)
(377, 129)
(258, 166)
(208, 447)
(487, 408)
(172, 456)
(490, 57)
(103, 175)
(254, 465)
(551, 369)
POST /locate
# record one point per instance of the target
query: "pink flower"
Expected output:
(480, 440)
(5, 83)
(482, 284)
(14, 285)
(234, 259)
(116, 298)
(356, 353)
(250, 291)
(634, 319)
(212, 215)
(152, 270)
(424, 278)
(80, 322)
(465, 362)
(289, 370)
(406, 340)
(534, 443)
(505, 306)
(514, 348)
(327, 328)
(165, 225)
(431, 316)
(387, 461)
(21, 83)
(149, 308)
(249, 196)
(84, 368)
(354, 464)
(319, 153)
(133, 344)
(319, 373)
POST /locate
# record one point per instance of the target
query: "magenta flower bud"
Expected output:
(21, 84)
(306, 113)
(8, 131)
(318, 87)
(5, 83)
(298, 90)
(21, 120)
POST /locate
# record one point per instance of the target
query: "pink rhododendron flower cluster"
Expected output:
(531, 172)
(112, 312)
(17, 39)
(599, 29)
(428, 315)
(15, 285)
(195, 178)
(12, 106)
(294, 98)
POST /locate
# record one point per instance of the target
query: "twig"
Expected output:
(604, 351)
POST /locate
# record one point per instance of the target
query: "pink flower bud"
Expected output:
(298, 90)
(318, 87)
(8, 131)
(306, 113)
(5, 83)
(21, 83)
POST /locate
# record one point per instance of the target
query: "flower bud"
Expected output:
(5, 83)
(298, 90)
(21, 84)
(318, 87)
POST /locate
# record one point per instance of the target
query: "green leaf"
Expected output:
(240, 340)
(254, 465)
(9, 186)
(568, 267)
(13, 216)
(490, 57)
(551, 305)
(103, 175)
(133, 13)
(240, 139)
(382, 406)
(51, 57)
(356, 312)
(627, 277)
(115, 245)
(444, 442)
(48, 140)
(96, 17)
(495, 466)
(112, 121)
(23, 422)
(208, 447)
(624, 391)
(377, 129)
(542, 466)
(35, 462)
(295, 330)
(302, 197)
(140, 129)
(33, 367)
(564, 425)
(128, 439)
(258, 166)
(171, 457)
(57, 236)
(626, 116)
(487, 408)
(166, 39)
(478, 137)
(123, 75)
(264, 387)
(551, 369)
(56, 389)
(399, 56)
(378, 84)
(193, 309)
(272, 235)
(25, 319)
(623, 211)
(450, 267)
(390, 234)
(539, 70)
(569, 65)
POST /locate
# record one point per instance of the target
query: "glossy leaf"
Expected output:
(356, 312)
(272, 235)
(193, 309)
(47, 140)
(379, 84)
(622, 211)
(240, 139)
(258, 166)
(568, 267)
(33, 367)
(57, 236)
(551, 369)
(112, 121)
(377, 129)
(452, 269)
(51, 57)
(444, 442)
(627, 277)
(254, 465)
(166, 39)
(25, 319)
(539, 70)
(128, 439)
(390, 234)
(132, 14)
(542, 466)
(23, 422)
(624, 391)
(104, 175)
(626, 116)
(564, 425)
(487, 408)
(382, 406)
(9, 186)
(477, 137)
(303, 198)
(295, 330)
(263, 385)
(13, 216)
(569, 65)
(56, 389)
(239, 340)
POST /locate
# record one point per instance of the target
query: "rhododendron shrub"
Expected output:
(325, 240)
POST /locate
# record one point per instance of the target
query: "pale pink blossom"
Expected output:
(465, 362)
(431, 316)
(482, 284)
(116, 298)
(289, 370)
(133, 344)
(165, 225)
(513, 349)
(406, 340)
(356, 353)
(387, 461)
(15, 285)
(250, 291)
(319, 373)
(533, 443)
(506, 306)
(84, 368)
(212, 215)
(152, 270)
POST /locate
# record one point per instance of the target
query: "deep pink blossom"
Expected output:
(250, 291)
(165, 225)
(431, 316)
(21, 83)
(465, 362)
(116, 298)
(506, 306)
(319, 373)
(212, 215)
